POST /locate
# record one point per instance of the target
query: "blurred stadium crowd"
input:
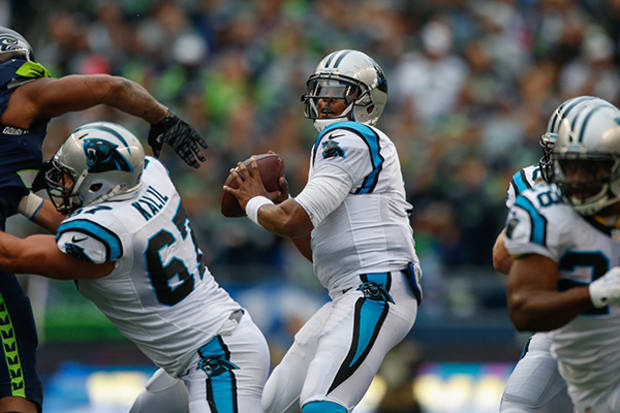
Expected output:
(471, 85)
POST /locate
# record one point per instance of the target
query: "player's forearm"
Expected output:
(48, 217)
(287, 219)
(547, 310)
(132, 98)
(38, 254)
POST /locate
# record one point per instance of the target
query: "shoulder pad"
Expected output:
(92, 227)
(538, 222)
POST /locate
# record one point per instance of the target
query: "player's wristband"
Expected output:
(29, 205)
(254, 204)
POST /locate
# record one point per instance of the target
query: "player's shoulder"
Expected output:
(526, 178)
(15, 72)
(348, 137)
(98, 227)
(545, 201)
(154, 164)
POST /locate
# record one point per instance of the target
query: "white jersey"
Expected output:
(523, 179)
(160, 295)
(369, 230)
(586, 348)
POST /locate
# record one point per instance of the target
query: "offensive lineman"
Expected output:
(535, 385)
(565, 276)
(351, 220)
(132, 249)
(29, 97)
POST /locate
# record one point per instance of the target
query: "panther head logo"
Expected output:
(102, 155)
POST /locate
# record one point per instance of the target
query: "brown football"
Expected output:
(271, 168)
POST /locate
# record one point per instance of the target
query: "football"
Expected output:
(271, 168)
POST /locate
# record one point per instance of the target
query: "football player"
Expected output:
(565, 276)
(535, 385)
(131, 248)
(29, 97)
(352, 221)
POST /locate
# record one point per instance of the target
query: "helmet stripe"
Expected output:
(346, 52)
(562, 114)
(329, 58)
(585, 121)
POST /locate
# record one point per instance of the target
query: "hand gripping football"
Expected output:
(271, 168)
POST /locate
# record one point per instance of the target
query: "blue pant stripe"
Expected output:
(323, 406)
(221, 384)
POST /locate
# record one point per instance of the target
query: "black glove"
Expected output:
(175, 132)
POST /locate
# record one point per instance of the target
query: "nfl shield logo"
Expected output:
(615, 234)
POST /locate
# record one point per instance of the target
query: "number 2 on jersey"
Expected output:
(595, 260)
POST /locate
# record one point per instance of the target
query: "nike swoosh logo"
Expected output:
(74, 239)
(333, 135)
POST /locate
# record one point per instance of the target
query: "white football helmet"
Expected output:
(547, 139)
(97, 162)
(13, 44)
(351, 76)
(586, 158)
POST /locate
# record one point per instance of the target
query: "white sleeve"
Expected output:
(89, 240)
(529, 231)
(324, 192)
(82, 246)
(356, 154)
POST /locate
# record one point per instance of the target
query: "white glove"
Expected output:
(606, 289)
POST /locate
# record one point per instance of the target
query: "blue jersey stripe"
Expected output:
(520, 182)
(114, 248)
(538, 234)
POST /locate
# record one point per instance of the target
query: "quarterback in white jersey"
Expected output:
(351, 220)
(565, 276)
(126, 214)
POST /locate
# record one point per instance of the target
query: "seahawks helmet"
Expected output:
(97, 162)
(351, 76)
(586, 158)
(13, 44)
(547, 139)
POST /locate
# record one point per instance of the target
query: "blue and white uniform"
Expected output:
(20, 160)
(363, 253)
(161, 296)
(584, 249)
(523, 179)
(535, 385)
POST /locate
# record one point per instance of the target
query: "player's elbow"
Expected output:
(502, 262)
(522, 318)
(17, 258)
(116, 86)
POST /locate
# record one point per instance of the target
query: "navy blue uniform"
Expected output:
(20, 159)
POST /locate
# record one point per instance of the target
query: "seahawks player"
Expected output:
(29, 97)
(535, 384)
(351, 220)
(565, 276)
(131, 247)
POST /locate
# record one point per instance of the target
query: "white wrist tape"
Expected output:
(606, 289)
(29, 205)
(254, 204)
